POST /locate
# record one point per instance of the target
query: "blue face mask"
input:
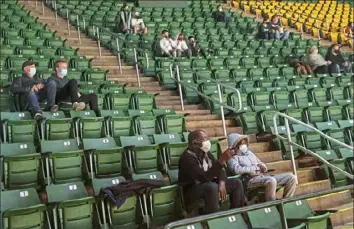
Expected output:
(32, 72)
(63, 73)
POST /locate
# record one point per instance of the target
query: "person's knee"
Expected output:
(235, 183)
(31, 95)
(93, 97)
(292, 178)
(72, 83)
(271, 182)
(51, 84)
(212, 188)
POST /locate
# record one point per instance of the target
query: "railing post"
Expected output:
(83, 19)
(67, 21)
(78, 29)
(36, 4)
(291, 149)
(137, 67)
(55, 11)
(222, 111)
(179, 85)
(42, 7)
(282, 215)
(99, 43)
(118, 55)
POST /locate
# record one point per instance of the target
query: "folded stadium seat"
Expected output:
(144, 101)
(284, 145)
(310, 140)
(63, 161)
(7, 102)
(5, 77)
(46, 51)
(80, 63)
(241, 44)
(216, 62)
(112, 87)
(233, 62)
(122, 217)
(222, 75)
(332, 130)
(299, 212)
(141, 155)
(87, 125)
(43, 63)
(208, 87)
(256, 74)
(200, 64)
(15, 61)
(347, 128)
(18, 127)
(29, 212)
(231, 221)
(171, 147)
(190, 94)
(261, 101)
(106, 158)
(248, 121)
(337, 179)
(301, 98)
(55, 126)
(249, 52)
(74, 205)
(269, 218)
(95, 75)
(117, 101)
(214, 107)
(20, 165)
(316, 114)
(67, 51)
(8, 50)
(280, 62)
(335, 113)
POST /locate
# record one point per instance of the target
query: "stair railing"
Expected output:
(219, 101)
(291, 143)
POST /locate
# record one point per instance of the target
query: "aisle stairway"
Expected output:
(198, 117)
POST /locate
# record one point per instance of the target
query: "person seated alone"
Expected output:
(316, 61)
(203, 177)
(181, 46)
(138, 24)
(60, 89)
(167, 45)
(31, 89)
(244, 162)
(220, 15)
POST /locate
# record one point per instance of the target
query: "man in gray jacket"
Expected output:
(245, 162)
(60, 88)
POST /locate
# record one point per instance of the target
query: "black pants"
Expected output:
(68, 93)
(321, 69)
(209, 191)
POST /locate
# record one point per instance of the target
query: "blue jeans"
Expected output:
(282, 36)
(33, 99)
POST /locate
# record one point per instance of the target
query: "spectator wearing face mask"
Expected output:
(125, 19)
(167, 45)
(194, 49)
(31, 89)
(181, 46)
(61, 89)
(244, 162)
(277, 30)
(264, 29)
(138, 24)
(316, 61)
(337, 61)
(203, 177)
(220, 15)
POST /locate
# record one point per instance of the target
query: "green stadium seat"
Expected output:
(144, 101)
(55, 126)
(87, 125)
(18, 127)
(73, 203)
(232, 221)
(63, 160)
(22, 208)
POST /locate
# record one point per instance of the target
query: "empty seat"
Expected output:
(87, 125)
(18, 126)
(55, 126)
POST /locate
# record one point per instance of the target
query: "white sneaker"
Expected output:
(79, 106)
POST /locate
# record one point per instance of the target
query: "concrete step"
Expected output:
(218, 131)
(208, 123)
(270, 156)
(314, 186)
(259, 147)
(344, 214)
(330, 200)
(202, 117)
(186, 107)
(280, 166)
(305, 176)
(193, 112)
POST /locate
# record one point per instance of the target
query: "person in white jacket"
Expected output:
(138, 24)
(167, 45)
(245, 162)
(181, 46)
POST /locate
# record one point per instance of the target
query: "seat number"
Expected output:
(329, 124)
(105, 140)
(72, 187)
(115, 112)
(328, 152)
(66, 143)
(167, 111)
(23, 193)
(21, 115)
(23, 146)
(232, 219)
(190, 227)
(171, 136)
(87, 113)
(140, 138)
(153, 176)
(351, 121)
(298, 203)
(315, 85)
(115, 181)
(55, 114)
(267, 210)
(142, 111)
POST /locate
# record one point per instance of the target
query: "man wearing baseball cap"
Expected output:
(30, 88)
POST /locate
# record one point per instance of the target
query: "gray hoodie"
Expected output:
(242, 163)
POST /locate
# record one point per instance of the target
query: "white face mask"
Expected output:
(206, 146)
(32, 72)
(243, 148)
(63, 72)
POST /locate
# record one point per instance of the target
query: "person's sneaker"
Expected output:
(79, 106)
(54, 109)
(38, 116)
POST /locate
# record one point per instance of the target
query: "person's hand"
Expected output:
(226, 156)
(78, 94)
(34, 88)
(40, 86)
(124, 28)
(345, 64)
(262, 168)
(222, 191)
(329, 62)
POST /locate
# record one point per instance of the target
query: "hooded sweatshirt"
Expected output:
(180, 45)
(242, 163)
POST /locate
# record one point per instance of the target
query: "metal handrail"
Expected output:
(291, 143)
(281, 202)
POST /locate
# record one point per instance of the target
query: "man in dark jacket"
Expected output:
(202, 176)
(220, 15)
(337, 61)
(29, 88)
(193, 48)
(60, 88)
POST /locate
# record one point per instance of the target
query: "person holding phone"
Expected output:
(246, 162)
(203, 176)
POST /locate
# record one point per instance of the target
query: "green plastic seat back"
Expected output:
(265, 218)
(174, 124)
(232, 221)
(191, 226)
(21, 131)
(121, 126)
(163, 204)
